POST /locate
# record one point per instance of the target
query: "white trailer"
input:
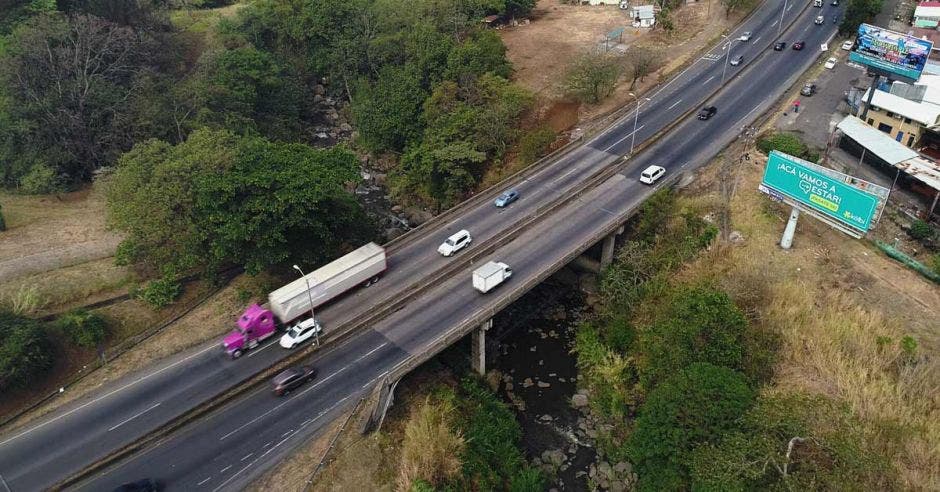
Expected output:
(490, 275)
(356, 268)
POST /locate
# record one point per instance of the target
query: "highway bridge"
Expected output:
(423, 303)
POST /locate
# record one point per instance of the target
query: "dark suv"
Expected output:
(707, 112)
(292, 378)
(779, 46)
(808, 89)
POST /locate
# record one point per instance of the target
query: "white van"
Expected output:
(651, 174)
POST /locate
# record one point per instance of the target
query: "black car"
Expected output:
(779, 46)
(799, 45)
(707, 112)
(144, 485)
(292, 378)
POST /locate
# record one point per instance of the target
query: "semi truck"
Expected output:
(491, 274)
(292, 301)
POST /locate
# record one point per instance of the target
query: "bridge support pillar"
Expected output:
(607, 249)
(478, 347)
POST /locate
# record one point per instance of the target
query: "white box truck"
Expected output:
(490, 275)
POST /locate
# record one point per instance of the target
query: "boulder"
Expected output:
(578, 400)
(543, 384)
(555, 457)
(392, 233)
(736, 237)
(623, 468)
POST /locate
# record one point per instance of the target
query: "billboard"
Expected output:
(896, 55)
(787, 177)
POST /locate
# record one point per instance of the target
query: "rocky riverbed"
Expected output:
(536, 372)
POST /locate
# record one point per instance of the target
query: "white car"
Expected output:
(745, 36)
(455, 243)
(651, 174)
(848, 45)
(819, 20)
(831, 63)
(300, 332)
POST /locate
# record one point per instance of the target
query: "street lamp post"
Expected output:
(724, 70)
(310, 298)
(636, 119)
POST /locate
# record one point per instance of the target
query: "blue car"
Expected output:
(506, 198)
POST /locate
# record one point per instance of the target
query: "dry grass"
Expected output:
(431, 448)
(836, 340)
(60, 288)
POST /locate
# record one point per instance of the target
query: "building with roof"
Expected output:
(927, 14)
(916, 172)
(907, 111)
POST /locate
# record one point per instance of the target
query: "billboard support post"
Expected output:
(871, 94)
(787, 240)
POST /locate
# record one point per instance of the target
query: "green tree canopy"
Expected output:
(25, 351)
(219, 199)
(387, 112)
(697, 405)
(699, 325)
(245, 89)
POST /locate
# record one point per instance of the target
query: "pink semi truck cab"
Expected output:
(253, 327)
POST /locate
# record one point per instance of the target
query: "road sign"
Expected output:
(791, 178)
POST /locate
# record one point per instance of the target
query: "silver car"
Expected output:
(737, 60)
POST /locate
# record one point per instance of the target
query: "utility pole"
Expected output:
(316, 330)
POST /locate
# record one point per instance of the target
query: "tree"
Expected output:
(25, 351)
(218, 199)
(67, 81)
(642, 62)
(387, 112)
(592, 76)
(700, 325)
(859, 12)
(519, 8)
(484, 52)
(735, 5)
(244, 89)
(698, 405)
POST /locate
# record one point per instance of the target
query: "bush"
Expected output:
(431, 448)
(700, 325)
(832, 454)
(161, 292)
(787, 143)
(935, 263)
(535, 143)
(25, 351)
(41, 180)
(83, 327)
(698, 405)
(608, 374)
(492, 457)
(127, 253)
(921, 231)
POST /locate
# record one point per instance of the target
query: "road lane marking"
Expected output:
(226, 468)
(757, 39)
(282, 441)
(128, 385)
(134, 417)
(674, 104)
(624, 138)
(267, 444)
(204, 481)
(253, 352)
(252, 421)
(608, 211)
(249, 455)
(709, 79)
(284, 434)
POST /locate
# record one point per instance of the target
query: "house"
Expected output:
(643, 15)
(927, 14)
(907, 111)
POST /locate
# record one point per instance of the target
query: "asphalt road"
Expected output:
(232, 446)
(38, 456)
